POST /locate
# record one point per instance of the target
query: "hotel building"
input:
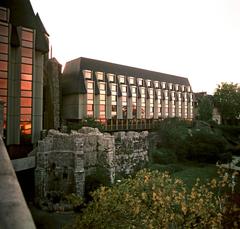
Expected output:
(122, 97)
(23, 51)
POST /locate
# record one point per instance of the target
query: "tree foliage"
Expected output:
(205, 109)
(156, 200)
(227, 100)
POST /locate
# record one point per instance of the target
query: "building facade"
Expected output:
(23, 51)
(122, 97)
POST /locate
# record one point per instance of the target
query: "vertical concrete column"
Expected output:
(13, 110)
(37, 97)
(79, 173)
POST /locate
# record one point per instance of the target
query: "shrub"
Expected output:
(207, 146)
(163, 156)
(90, 122)
(155, 200)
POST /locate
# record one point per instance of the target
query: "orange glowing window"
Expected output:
(26, 77)
(26, 110)
(25, 118)
(3, 83)
(3, 48)
(101, 108)
(26, 35)
(27, 52)
(90, 107)
(3, 66)
(26, 93)
(26, 68)
(26, 85)
(26, 102)
(26, 127)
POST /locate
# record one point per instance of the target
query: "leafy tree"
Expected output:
(205, 108)
(227, 100)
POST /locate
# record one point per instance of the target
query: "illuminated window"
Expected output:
(143, 90)
(163, 85)
(121, 79)
(114, 98)
(111, 77)
(148, 82)
(150, 91)
(90, 96)
(90, 85)
(102, 86)
(102, 97)
(131, 80)
(156, 84)
(140, 82)
(101, 108)
(114, 87)
(124, 99)
(124, 88)
(100, 75)
(87, 74)
(170, 86)
(134, 90)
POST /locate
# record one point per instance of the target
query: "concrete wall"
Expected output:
(14, 213)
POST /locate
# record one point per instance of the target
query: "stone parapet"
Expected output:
(14, 212)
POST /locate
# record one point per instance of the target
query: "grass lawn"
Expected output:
(188, 171)
(191, 171)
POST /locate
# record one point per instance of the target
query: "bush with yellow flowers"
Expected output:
(156, 200)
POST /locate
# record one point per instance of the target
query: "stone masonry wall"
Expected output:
(64, 160)
(131, 151)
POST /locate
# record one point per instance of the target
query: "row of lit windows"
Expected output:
(88, 74)
(27, 37)
(165, 110)
(4, 31)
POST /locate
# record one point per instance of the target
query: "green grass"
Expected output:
(191, 171)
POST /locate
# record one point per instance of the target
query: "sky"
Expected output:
(197, 39)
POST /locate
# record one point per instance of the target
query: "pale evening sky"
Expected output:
(198, 39)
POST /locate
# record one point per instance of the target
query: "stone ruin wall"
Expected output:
(64, 160)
